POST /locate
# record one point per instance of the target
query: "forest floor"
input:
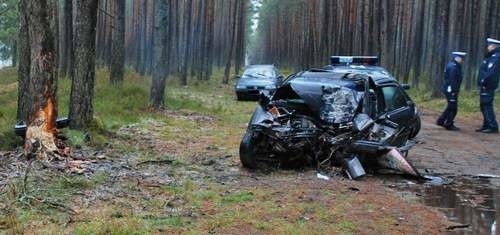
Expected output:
(178, 171)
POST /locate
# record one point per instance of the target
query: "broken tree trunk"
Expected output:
(41, 131)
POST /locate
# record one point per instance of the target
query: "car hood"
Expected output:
(330, 101)
(247, 81)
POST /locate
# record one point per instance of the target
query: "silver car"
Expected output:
(255, 79)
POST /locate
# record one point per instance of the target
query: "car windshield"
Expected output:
(259, 72)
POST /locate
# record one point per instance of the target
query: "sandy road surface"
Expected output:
(463, 153)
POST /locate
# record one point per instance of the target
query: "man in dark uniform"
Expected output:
(489, 73)
(451, 88)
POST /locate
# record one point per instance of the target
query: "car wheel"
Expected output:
(238, 97)
(247, 146)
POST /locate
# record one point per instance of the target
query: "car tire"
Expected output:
(247, 157)
(238, 97)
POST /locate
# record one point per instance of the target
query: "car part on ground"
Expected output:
(20, 127)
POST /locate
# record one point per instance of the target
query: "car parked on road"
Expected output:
(256, 79)
(351, 113)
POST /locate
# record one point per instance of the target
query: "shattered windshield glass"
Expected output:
(339, 104)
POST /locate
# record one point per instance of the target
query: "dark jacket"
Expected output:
(489, 72)
(452, 77)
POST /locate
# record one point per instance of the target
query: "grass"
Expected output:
(468, 102)
(8, 108)
(44, 201)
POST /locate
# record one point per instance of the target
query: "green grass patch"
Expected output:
(8, 108)
(345, 226)
(114, 226)
(238, 197)
(468, 101)
(48, 200)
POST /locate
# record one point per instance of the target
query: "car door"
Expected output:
(396, 105)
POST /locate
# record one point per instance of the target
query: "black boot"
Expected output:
(489, 131)
(452, 127)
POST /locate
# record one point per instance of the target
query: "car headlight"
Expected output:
(270, 86)
(238, 86)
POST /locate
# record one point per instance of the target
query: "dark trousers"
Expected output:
(448, 116)
(486, 103)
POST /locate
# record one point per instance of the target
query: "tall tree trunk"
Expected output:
(23, 71)
(82, 87)
(54, 25)
(187, 41)
(14, 53)
(160, 60)
(209, 40)
(41, 131)
(143, 50)
(118, 58)
(66, 41)
(199, 56)
(240, 42)
(70, 31)
(229, 57)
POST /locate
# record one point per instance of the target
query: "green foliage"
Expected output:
(9, 21)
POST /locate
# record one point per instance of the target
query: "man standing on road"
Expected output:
(489, 73)
(451, 88)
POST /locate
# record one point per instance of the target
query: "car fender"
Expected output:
(260, 115)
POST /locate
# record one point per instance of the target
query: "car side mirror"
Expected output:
(281, 77)
(406, 86)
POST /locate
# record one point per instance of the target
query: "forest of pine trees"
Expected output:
(199, 34)
(413, 38)
(190, 38)
(168, 38)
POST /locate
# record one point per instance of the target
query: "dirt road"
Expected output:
(463, 153)
(468, 166)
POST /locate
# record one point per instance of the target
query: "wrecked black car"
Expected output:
(351, 113)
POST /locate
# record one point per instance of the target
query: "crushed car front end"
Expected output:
(321, 118)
